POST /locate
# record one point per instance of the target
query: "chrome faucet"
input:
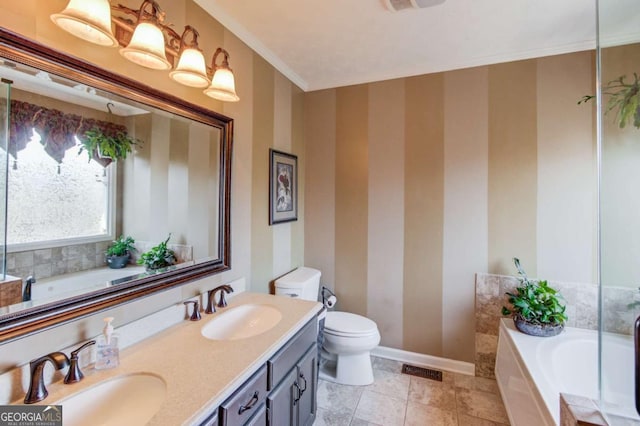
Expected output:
(222, 302)
(37, 391)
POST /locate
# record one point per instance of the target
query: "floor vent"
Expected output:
(427, 373)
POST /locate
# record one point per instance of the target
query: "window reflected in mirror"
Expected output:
(86, 167)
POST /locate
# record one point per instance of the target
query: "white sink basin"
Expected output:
(242, 322)
(124, 400)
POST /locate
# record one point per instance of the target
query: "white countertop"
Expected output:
(199, 373)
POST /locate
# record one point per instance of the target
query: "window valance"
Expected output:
(56, 128)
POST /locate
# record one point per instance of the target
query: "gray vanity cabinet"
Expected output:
(292, 400)
(306, 386)
(246, 403)
(280, 402)
(288, 383)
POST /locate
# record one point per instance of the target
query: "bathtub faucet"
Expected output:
(26, 294)
(636, 300)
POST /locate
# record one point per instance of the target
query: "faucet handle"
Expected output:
(195, 316)
(74, 374)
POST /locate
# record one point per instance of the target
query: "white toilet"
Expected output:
(348, 338)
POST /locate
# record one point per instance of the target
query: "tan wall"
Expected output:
(414, 185)
(269, 111)
(264, 118)
(171, 184)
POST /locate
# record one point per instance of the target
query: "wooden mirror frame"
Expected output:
(15, 47)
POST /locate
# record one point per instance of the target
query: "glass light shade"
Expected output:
(146, 47)
(223, 86)
(191, 69)
(89, 20)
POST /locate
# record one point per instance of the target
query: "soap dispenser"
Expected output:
(107, 351)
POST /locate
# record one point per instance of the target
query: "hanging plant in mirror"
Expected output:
(104, 147)
(624, 99)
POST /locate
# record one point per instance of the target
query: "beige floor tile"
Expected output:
(392, 384)
(476, 383)
(466, 420)
(448, 378)
(386, 365)
(397, 399)
(480, 404)
(331, 418)
(421, 415)
(359, 422)
(433, 393)
(381, 409)
(341, 399)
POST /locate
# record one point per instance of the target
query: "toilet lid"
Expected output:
(345, 323)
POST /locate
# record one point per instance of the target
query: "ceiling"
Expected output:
(321, 44)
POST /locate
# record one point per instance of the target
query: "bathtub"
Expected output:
(533, 371)
(73, 284)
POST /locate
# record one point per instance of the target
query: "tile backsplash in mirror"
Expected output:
(48, 262)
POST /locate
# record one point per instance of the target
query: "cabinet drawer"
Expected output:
(212, 420)
(260, 418)
(245, 401)
(289, 355)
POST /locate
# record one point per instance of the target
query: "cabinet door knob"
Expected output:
(249, 405)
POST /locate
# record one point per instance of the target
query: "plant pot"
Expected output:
(103, 160)
(118, 262)
(540, 330)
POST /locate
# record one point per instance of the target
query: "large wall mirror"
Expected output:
(64, 209)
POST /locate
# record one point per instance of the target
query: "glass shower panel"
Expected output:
(619, 145)
(5, 108)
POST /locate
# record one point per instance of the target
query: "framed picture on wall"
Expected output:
(283, 187)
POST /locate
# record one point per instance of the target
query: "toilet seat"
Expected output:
(345, 324)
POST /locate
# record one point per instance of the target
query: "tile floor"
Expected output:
(402, 400)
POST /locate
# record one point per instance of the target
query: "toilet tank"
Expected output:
(300, 283)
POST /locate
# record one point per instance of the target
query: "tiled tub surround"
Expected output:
(10, 291)
(199, 373)
(582, 310)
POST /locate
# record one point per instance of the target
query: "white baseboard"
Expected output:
(422, 360)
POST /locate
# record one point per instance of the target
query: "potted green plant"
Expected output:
(119, 252)
(158, 257)
(536, 308)
(624, 98)
(104, 148)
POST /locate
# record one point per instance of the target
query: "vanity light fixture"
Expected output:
(148, 42)
(191, 70)
(147, 45)
(88, 19)
(223, 86)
